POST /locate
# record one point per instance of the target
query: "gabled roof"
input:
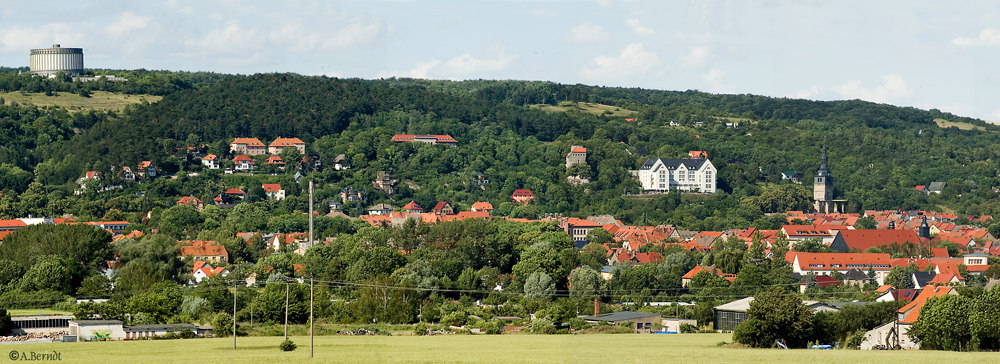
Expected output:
(271, 187)
(235, 191)
(672, 164)
(824, 261)
(440, 205)
(274, 160)
(204, 250)
(577, 150)
(482, 206)
(912, 309)
(12, 223)
(411, 137)
(93, 174)
(855, 274)
(210, 157)
(381, 206)
(412, 206)
(826, 281)
(286, 142)
(243, 158)
(145, 164)
(189, 200)
(698, 154)
(522, 193)
(864, 239)
(250, 142)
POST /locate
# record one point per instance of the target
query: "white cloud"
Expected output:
(716, 82)
(807, 93)
(987, 36)
(893, 88)
(20, 40)
(606, 3)
(588, 33)
(463, 66)
(698, 57)
(291, 36)
(634, 61)
(127, 23)
(637, 27)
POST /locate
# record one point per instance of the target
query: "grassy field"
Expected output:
(35, 311)
(964, 126)
(691, 348)
(99, 100)
(596, 109)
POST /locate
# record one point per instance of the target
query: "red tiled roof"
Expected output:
(412, 206)
(440, 205)
(189, 200)
(522, 193)
(578, 150)
(271, 187)
(145, 164)
(242, 158)
(204, 250)
(235, 191)
(698, 154)
(411, 137)
(482, 206)
(286, 142)
(914, 307)
(845, 260)
(275, 160)
(250, 142)
(5, 233)
(940, 252)
(864, 239)
(826, 281)
(12, 223)
(210, 157)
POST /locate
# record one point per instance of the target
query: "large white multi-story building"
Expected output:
(685, 175)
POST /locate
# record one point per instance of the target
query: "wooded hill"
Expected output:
(878, 153)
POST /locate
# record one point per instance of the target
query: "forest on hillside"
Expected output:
(877, 152)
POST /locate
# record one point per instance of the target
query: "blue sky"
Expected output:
(927, 54)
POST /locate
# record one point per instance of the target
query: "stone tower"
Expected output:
(823, 188)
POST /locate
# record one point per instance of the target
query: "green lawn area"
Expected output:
(596, 109)
(964, 126)
(690, 348)
(99, 100)
(35, 311)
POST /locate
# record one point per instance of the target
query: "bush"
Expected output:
(223, 324)
(420, 329)
(688, 329)
(854, 341)
(187, 334)
(457, 318)
(287, 345)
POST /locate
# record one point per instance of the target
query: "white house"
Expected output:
(243, 162)
(211, 161)
(685, 175)
(203, 270)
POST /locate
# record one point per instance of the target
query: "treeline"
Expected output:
(140, 81)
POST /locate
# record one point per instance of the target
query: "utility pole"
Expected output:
(286, 310)
(311, 240)
(234, 315)
(311, 346)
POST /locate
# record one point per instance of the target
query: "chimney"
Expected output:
(597, 307)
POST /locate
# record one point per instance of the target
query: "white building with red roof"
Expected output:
(431, 139)
(251, 146)
(211, 161)
(278, 145)
(243, 162)
(274, 191)
(482, 206)
(203, 270)
(522, 196)
(577, 154)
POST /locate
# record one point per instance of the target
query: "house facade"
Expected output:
(522, 196)
(685, 175)
(577, 154)
(430, 139)
(211, 161)
(249, 146)
(243, 162)
(280, 144)
(274, 191)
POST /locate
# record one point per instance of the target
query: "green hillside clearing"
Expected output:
(596, 109)
(98, 101)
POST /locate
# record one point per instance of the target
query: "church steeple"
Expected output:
(823, 187)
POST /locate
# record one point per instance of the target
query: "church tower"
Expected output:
(823, 188)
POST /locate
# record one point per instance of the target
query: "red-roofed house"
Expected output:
(243, 162)
(191, 201)
(211, 161)
(273, 191)
(826, 263)
(280, 144)
(413, 207)
(443, 208)
(235, 192)
(911, 312)
(923, 189)
(94, 175)
(482, 206)
(822, 281)
(203, 270)
(432, 139)
(864, 239)
(686, 278)
(624, 256)
(202, 250)
(251, 146)
(578, 228)
(522, 196)
(577, 154)
(275, 160)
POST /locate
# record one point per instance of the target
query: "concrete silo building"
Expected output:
(49, 61)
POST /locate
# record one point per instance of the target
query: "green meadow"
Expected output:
(690, 348)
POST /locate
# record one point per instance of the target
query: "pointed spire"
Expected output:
(823, 170)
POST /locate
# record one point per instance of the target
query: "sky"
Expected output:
(926, 54)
